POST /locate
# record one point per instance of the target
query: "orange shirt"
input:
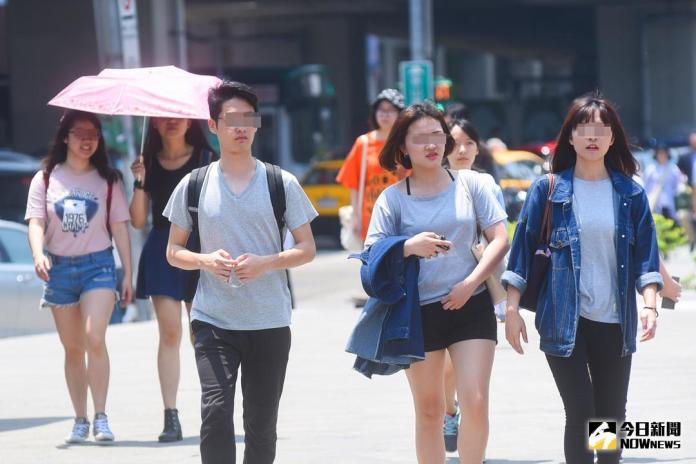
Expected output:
(376, 178)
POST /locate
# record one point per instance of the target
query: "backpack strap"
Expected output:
(193, 195)
(276, 190)
(205, 157)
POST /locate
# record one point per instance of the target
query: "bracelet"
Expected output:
(652, 308)
(138, 184)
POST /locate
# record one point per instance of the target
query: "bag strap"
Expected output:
(363, 174)
(193, 196)
(109, 196)
(545, 232)
(276, 190)
(46, 176)
(477, 233)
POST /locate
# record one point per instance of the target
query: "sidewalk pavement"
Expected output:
(329, 413)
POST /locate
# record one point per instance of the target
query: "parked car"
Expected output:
(21, 289)
(540, 149)
(15, 178)
(19, 286)
(326, 195)
(9, 155)
(516, 171)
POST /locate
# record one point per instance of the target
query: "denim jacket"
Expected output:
(637, 258)
(388, 336)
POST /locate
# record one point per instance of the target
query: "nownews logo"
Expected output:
(602, 435)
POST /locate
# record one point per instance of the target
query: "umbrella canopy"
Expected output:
(163, 91)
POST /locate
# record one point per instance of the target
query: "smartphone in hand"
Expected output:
(666, 302)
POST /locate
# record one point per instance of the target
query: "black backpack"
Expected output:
(276, 190)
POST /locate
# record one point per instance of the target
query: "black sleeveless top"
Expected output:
(160, 182)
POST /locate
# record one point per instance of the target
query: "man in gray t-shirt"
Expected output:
(242, 326)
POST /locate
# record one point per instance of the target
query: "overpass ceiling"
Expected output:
(203, 10)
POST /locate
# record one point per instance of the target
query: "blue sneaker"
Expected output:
(451, 430)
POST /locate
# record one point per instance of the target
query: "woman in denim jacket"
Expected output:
(602, 245)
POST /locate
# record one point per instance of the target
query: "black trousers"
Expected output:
(593, 383)
(263, 358)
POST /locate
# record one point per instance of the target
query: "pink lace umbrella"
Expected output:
(164, 91)
(160, 92)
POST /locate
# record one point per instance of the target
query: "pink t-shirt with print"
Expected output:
(76, 206)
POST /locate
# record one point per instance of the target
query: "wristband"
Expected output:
(651, 308)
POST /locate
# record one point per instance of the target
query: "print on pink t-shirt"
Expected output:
(76, 207)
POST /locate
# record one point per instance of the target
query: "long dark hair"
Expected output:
(153, 142)
(392, 155)
(582, 110)
(59, 149)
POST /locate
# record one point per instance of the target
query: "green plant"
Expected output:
(669, 235)
(511, 231)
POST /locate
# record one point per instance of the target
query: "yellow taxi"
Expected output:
(517, 170)
(325, 194)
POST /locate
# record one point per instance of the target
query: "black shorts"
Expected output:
(475, 320)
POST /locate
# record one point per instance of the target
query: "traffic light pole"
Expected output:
(421, 29)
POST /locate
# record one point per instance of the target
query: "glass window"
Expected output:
(15, 246)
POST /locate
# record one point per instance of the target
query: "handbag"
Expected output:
(495, 288)
(351, 241)
(542, 256)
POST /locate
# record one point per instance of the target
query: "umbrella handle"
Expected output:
(142, 141)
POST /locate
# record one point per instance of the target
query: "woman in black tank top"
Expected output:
(173, 148)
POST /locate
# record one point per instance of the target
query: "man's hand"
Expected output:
(251, 266)
(220, 264)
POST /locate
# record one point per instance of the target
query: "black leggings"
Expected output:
(593, 383)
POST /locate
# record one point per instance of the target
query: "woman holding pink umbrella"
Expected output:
(173, 148)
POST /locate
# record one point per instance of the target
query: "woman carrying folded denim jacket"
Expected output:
(433, 206)
(602, 246)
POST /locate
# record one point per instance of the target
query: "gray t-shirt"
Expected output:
(241, 224)
(447, 213)
(593, 207)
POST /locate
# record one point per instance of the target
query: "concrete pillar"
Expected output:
(670, 74)
(334, 42)
(647, 65)
(618, 43)
(477, 71)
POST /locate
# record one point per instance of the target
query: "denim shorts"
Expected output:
(71, 276)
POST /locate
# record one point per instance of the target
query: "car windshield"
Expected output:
(321, 176)
(13, 201)
(523, 169)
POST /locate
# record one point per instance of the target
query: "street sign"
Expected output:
(417, 80)
(130, 42)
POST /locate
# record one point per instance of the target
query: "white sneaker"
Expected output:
(101, 429)
(131, 314)
(80, 431)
